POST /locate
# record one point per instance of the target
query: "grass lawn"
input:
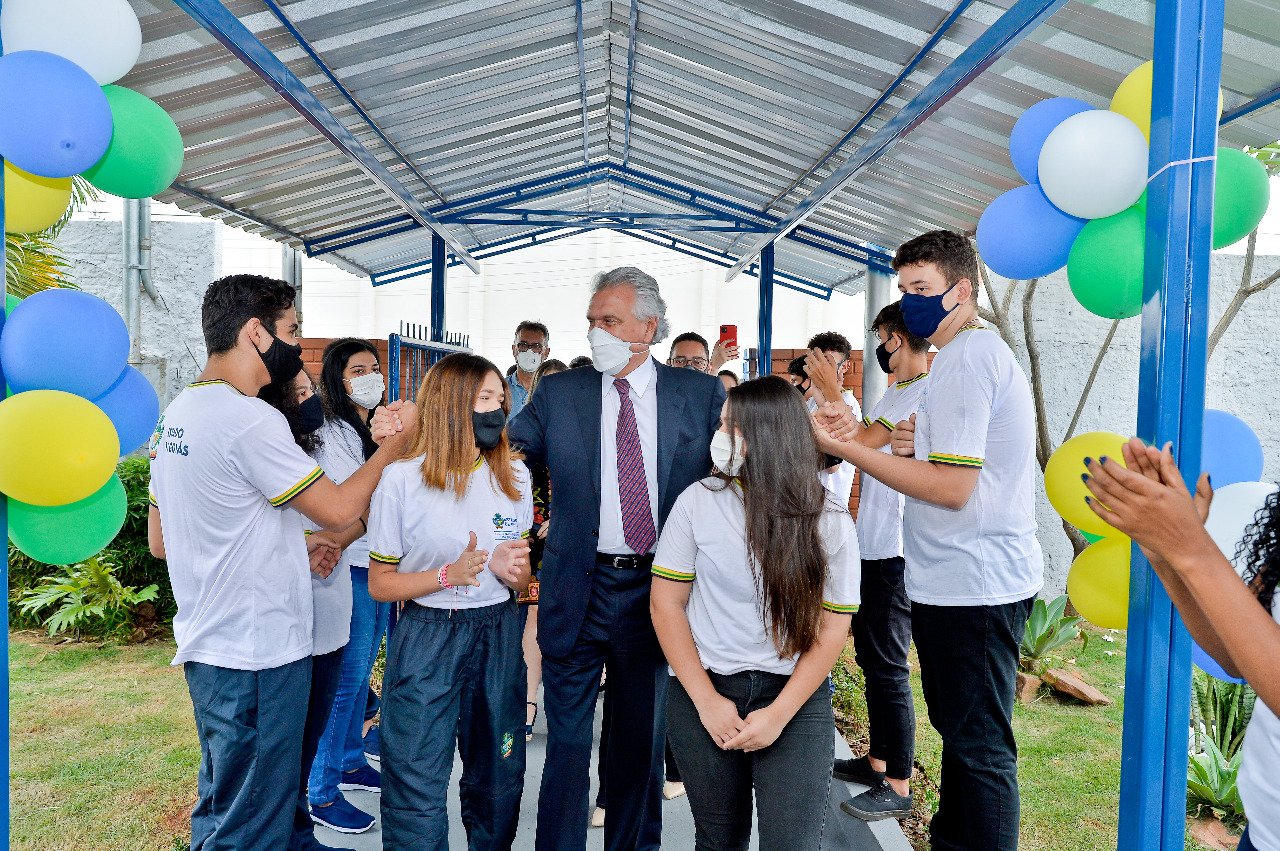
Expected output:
(1068, 753)
(105, 753)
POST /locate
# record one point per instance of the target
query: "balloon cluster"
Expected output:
(1098, 583)
(60, 116)
(1084, 205)
(74, 407)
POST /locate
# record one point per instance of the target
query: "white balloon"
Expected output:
(101, 36)
(1094, 164)
(1231, 513)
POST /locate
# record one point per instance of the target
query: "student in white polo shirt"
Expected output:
(448, 535)
(224, 467)
(755, 575)
(968, 470)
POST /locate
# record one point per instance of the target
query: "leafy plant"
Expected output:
(1268, 155)
(130, 551)
(87, 594)
(1212, 783)
(32, 262)
(1048, 628)
(1220, 712)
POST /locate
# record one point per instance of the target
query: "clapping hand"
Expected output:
(323, 553)
(467, 567)
(510, 563)
(824, 371)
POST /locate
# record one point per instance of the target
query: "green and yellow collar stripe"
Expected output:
(838, 609)
(310, 480)
(866, 421)
(884, 423)
(383, 559)
(955, 460)
(213, 383)
(673, 575)
(911, 381)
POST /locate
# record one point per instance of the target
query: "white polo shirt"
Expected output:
(416, 528)
(880, 506)
(976, 412)
(1260, 774)
(223, 467)
(705, 542)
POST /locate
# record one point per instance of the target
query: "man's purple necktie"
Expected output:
(633, 485)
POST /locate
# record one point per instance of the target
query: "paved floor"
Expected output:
(843, 832)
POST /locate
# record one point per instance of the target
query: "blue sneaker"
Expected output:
(365, 778)
(373, 744)
(342, 816)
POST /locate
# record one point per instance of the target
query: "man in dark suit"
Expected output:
(620, 443)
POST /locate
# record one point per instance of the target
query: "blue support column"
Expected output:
(764, 349)
(4, 572)
(1188, 65)
(438, 265)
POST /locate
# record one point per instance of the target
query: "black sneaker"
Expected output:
(878, 802)
(857, 770)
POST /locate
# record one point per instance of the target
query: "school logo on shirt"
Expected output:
(154, 446)
(508, 744)
(500, 522)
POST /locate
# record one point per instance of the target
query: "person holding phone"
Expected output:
(448, 536)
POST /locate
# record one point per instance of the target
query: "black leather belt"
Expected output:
(626, 562)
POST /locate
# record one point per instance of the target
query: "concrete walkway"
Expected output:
(843, 832)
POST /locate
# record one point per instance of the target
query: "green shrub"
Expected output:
(84, 597)
(1220, 712)
(1048, 628)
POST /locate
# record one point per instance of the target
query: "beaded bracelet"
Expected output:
(444, 578)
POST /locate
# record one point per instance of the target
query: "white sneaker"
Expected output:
(672, 789)
(597, 817)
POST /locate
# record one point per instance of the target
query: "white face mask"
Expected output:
(728, 453)
(367, 389)
(608, 354)
(528, 361)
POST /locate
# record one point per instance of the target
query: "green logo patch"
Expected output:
(508, 744)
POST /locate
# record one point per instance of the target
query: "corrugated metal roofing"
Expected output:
(738, 108)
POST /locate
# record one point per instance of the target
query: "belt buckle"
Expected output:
(623, 562)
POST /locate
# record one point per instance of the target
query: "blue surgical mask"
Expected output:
(924, 313)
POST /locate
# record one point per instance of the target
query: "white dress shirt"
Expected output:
(644, 400)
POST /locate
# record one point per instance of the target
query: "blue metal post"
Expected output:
(1188, 66)
(4, 572)
(438, 266)
(764, 349)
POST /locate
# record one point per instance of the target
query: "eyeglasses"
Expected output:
(530, 347)
(689, 363)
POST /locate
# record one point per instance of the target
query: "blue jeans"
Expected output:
(325, 670)
(342, 746)
(1245, 844)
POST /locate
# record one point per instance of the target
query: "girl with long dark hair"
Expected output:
(351, 386)
(1237, 623)
(449, 536)
(755, 577)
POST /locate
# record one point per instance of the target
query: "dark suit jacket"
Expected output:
(560, 429)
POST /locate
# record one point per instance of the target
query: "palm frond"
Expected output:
(32, 261)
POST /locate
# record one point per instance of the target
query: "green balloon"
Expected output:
(1105, 264)
(145, 154)
(1240, 196)
(68, 534)
(1090, 537)
(10, 302)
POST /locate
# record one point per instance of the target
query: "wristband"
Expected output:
(444, 578)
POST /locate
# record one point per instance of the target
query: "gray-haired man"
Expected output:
(620, 442)
(530, 348)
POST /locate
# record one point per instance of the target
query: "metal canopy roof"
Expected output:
(353, 129)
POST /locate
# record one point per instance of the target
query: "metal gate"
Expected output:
(409, 356)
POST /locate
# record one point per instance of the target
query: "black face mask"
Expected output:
(488, 427)
(310, 414)
(282, 360)
(882, 357)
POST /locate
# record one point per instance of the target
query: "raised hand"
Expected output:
(722, 354)
(467, 567)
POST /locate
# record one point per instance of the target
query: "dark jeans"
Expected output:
(250, 728)
(325, 670)
(881, 639)
(673, 770)
(453, 676)
(618, 631)
(791, 778)
(1245, 844)
(968, 664)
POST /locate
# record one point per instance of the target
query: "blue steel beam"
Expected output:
(1017, 23)
(582, 80)
(632, 21)
(438, 269)
(492, 249)
(764, 314)
(227, 208)
(227, 29)
(1171, 391)
(4, 574)
(599, 222)
(1260, 102)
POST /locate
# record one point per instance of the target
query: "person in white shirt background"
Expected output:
(448, 536)
(755, 576)
(973, 563)
(224, 467)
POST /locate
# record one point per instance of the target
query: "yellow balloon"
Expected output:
(1064, 486)
(1133, 98)
(55, 447)
(33, 203)
(1098, 583)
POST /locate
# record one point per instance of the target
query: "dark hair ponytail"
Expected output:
(337, 404)
(1261, 548)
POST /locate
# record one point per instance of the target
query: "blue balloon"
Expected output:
(133, 408)
(1035, 125)
(54, 118)
(1229, 450)
(1022, 235)
(64, 340)
(1206, 663)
